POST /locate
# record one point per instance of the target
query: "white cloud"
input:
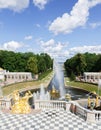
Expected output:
(77, 17)
(28, 37)
(11, 46)
(40, 3)
(95, 25)
(83, 49)
(60, 51)
(15, 5)
(51, 42)
(55, 49)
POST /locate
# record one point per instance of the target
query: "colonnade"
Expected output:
(17, 76)
(92, 76)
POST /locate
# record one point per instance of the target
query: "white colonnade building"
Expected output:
(13, 77)
(93, 77)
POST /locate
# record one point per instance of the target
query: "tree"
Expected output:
(18, 62)
(32, 65)
(97, 65)
(90, 61)
(47, 60)
(72, 76)
(80, 64)
(41, 65)
(75, 65)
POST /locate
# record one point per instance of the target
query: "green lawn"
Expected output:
(86, 86)
(29, 85)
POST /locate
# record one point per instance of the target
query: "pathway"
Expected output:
(45, 120)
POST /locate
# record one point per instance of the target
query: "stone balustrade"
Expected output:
(5, 104)
(92, 116)
(88, 115)
(52, 104)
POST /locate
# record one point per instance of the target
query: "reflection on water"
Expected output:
(77, 93)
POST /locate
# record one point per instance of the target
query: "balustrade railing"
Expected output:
(88, 115)
(5, 104)
(52, 104)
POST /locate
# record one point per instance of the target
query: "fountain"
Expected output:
(58, 80)
(99, 85)
(42, 95)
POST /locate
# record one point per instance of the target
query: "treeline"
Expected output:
(25, 62)
(81, 63)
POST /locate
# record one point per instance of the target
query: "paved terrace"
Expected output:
(45, 120)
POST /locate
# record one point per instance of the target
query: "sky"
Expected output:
(61, 28)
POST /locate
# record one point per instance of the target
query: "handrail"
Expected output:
(74, 107)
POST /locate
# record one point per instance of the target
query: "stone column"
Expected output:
(6, 77)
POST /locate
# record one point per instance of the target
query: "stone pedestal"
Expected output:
(90, 117)
(68, 106)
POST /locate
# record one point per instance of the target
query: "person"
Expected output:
(98, 116)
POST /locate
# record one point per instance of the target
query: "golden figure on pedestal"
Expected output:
(68, 97)
(20, 104)
(54, 93)
(93, 103)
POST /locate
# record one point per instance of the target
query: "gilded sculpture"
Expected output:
(20, 104)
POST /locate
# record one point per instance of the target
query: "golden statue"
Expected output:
(54, 93)
(97, 101)
(89, 101)
(68, 97)
(20, 104)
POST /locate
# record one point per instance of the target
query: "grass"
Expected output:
(45, 79)
(85, 86)
(44, 75)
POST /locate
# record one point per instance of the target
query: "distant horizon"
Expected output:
(59, 61)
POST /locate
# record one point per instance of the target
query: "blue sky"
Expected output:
(60, 28)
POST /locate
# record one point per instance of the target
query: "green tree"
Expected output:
(32, 65)
(41, 65)
(72, 76)
(47, 60)
(80, 64)
(76, 65)
(90, 61)
(18, 62)
(97, 65)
